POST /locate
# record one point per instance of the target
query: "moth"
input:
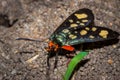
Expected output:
(78, 28)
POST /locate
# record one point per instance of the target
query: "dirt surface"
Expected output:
(37, 19)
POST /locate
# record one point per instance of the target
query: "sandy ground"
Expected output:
(37, 19)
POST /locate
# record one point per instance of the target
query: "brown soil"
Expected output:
(37, 19)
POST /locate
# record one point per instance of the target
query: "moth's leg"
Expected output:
(56, 58)
(48, 58)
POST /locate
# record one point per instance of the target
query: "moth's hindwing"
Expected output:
(89, 34)
(81, 18)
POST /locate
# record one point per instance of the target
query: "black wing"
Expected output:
(90, 34)
(81, 18)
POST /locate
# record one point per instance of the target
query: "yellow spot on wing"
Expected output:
(72, 36)
(82, 24)
(80, 16)
(70, 20)
(85, 20)
(94, 29)
(75, 28)
(65, 31)
(91, 36)
(103, 33)
(73, 25)
(87, 28)
(76, 32)
(83, 32)
(78, 22)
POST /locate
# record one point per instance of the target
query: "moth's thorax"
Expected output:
(59, 38)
